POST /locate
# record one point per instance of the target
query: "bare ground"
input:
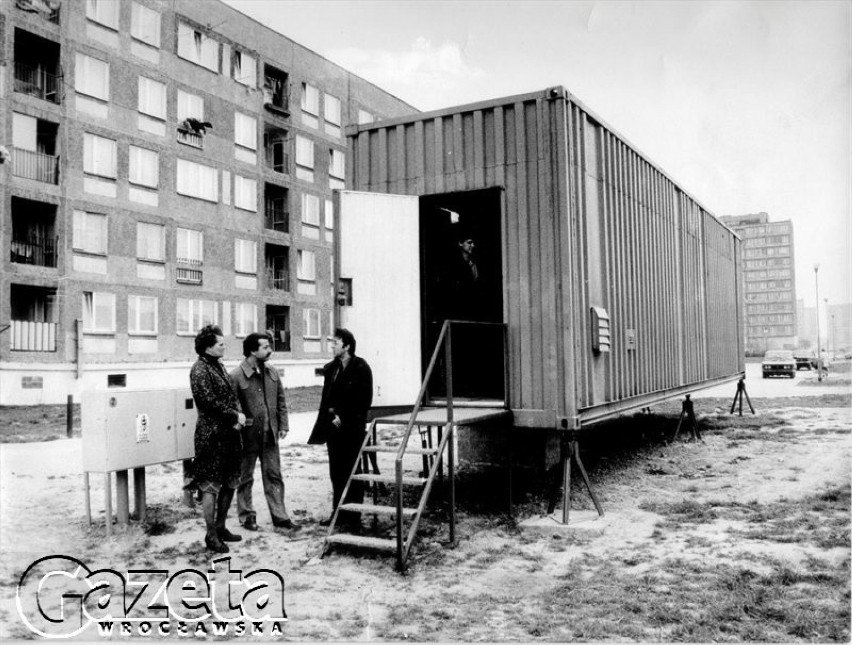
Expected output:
(743, 536)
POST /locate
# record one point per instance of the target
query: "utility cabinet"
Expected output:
(132, 429)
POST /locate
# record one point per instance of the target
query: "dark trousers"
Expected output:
(343, 447)
(273, 484)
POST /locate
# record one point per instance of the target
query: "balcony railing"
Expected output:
(36, 81)
(277, 161)
(47, 9)
(34, 250)
(188, 276)
(281, 340)
(278, 280)
(275, 97)
(29, 336)
(190, 138)
(35, 165)
(277, 218)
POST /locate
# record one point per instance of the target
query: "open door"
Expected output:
(379, 272)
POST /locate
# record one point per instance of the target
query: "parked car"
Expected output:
(779, 362)
(805, 359)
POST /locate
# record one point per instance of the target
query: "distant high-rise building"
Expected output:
(165, 164)
(770, 282)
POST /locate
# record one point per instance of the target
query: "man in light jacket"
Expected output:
(261, 395)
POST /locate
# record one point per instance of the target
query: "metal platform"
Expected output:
(439, 416)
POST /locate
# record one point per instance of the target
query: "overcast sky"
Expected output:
(747, 105)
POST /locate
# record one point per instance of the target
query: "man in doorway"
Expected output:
(466, 283)
(261, 395)
(347, 395)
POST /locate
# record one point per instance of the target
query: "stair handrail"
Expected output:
(445, 333)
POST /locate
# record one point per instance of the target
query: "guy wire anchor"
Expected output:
(741, 390)
(688, 411)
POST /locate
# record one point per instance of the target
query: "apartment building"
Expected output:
(165, 164)
(770, 282)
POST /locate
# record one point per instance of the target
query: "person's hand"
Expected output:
(336, 422)
(282, 433)
(241, 418)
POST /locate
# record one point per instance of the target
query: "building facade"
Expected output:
(770, 282)
(165, 164)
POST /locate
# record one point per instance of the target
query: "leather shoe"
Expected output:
(226, 536)
(216, 545)
(250, 524)
(285, 524)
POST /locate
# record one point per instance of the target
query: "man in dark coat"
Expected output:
(347, 395)
(261, 395)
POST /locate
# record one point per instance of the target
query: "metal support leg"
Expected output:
(451, 474)
(741, 392)
(88, 498)
(688, 412)
(108, 503)
(122, 497)
(139, 504)
(576, 452)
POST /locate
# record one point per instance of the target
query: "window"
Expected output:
(152, 98)
(197, 47)
(190, 246)
(104, 12)
(245, 319)
(189, 106)
(197, 180)
(150, 242)
(245, 193)
(311, 319)
(142, 315)
(332, 115)
(98, 312)
(91, 77)
(245, 69)
(192, 315)
(145, 25)
(144, 167)
(310, 99)
(90, 232)
(310, 209)
(307, 266)
(98, 155)
(304, 152)
(336, 164)
(365, 117)
(245, 130)
(329, 214)
(245, 256)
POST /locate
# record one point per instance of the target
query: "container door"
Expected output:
(379, 268)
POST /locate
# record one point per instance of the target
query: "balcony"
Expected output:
(188, 276)
(35, 80)
(35, 165)
(47, 9)
(280, 340)
(278, 326)
(38, 251)
(30, 336)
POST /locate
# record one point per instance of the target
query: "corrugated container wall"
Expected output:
(587, 222)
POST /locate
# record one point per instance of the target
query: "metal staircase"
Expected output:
(445, 420)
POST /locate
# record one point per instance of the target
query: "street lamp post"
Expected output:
(819, 353)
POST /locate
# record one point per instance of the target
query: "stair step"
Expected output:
(372, 508)
(380, 544)
(389, 479)
(408, 451)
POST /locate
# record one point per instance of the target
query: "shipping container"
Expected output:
(602, 286)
